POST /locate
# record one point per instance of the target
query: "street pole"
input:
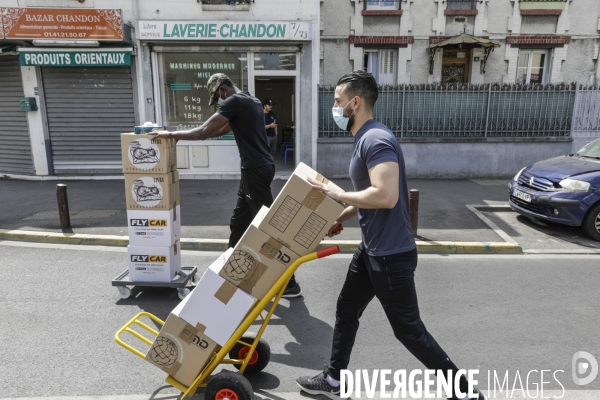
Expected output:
(413, 207)
(63, 206)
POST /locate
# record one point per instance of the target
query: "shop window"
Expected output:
(183, 77)
(382, 4)
(461, 5)
(274, 61)
(382, 65)
(533, 67)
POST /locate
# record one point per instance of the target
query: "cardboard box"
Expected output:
(152, 191)
(154, 228)
(146, 154)
(301, 216)
(216, 307)
(180, 349)
(154, 264)
(257, 262)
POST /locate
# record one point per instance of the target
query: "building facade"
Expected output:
(481, 85)
(470, 87)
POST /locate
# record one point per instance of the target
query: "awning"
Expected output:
(8, 49)
(464, 40)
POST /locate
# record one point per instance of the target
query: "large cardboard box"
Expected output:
(154, 228)
(257, 261)
(152, 191)
(215, 306)
(154, 264)
(301, 216)
(180, 349)
(147, 154)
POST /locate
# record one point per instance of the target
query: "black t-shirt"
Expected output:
(269, 119)
(245, 115)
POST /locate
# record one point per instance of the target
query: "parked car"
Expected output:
(564, 189)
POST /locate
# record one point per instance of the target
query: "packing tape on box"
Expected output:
(172, 370)
(225, 292)
(187, 334)
(252, 276)
(270, 248)
(313, 199)
(200, 328)
(322, 179)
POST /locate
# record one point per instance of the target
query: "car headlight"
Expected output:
(516, 178)
(573, 185)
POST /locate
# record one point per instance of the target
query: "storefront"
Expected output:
(269, 59)
(75, 66)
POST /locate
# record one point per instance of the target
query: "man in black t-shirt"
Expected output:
(241, 113)
(271, 125)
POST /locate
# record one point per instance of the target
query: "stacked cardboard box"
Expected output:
(153, 211)
(294, 226)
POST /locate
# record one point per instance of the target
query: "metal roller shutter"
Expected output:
(15, 150)
(87, 110)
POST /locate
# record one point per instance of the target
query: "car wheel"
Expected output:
(591, 222)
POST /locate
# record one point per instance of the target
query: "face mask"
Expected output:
(338, 116)
(220, 100)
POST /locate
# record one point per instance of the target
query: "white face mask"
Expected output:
(338, 116)
(220, 100)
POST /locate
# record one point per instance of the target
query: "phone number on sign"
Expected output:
(65, 34)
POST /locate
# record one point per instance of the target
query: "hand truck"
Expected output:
(246, 353)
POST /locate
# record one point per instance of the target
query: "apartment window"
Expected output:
(382, 65)
(533, 67)
(381, 4)
(461, 4)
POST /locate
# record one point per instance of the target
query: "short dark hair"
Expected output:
(227, 82)
(362, 84)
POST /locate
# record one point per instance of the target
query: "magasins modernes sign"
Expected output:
(224, 30)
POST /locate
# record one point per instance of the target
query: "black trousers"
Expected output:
(391, 279)
(253, 193)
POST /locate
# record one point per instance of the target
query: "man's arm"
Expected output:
(383, 192)
(217, 125)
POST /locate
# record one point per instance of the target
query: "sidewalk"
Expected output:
(206, 206)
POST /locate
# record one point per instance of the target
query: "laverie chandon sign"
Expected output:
(224, 30)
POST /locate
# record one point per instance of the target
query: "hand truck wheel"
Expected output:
(124, 292)
(228, 385)
(182, 292)
(260, 358)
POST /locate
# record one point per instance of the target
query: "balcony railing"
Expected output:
(461, 4)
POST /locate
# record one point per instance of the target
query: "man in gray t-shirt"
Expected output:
(384, 264)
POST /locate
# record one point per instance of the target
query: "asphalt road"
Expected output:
(504, 313)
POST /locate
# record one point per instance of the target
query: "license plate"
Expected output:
(522, 195)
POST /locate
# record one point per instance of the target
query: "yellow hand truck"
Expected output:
(246, 353)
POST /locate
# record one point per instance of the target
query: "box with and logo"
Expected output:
(215, 306)
(154, 264)
(300, 215)
(257, 261)
(154, 228)
(147, 154)
(158, 192)
(180, 349)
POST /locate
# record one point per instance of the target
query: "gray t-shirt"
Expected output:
(384, 231)
(246, 119)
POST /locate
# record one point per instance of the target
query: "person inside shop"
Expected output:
(241, 113)
(384, 263)
(270, 125)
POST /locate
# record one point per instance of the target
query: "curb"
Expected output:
(346, 246)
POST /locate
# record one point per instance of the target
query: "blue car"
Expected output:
(564, 190)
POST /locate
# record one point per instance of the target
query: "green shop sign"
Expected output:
(104, 58)
(224, 30)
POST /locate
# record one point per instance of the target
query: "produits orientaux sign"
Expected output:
(224, 30)
(114, 58)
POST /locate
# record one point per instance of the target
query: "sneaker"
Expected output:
(318, 385)
(293, 291)
(480, 396)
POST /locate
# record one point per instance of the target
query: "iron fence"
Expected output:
(477, 111)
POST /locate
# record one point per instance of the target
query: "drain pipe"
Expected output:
(598, 69)
(139, 66)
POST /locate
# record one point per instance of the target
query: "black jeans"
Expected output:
(391, 279)
(253, 193)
